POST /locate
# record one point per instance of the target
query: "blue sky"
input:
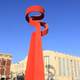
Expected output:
(62, 16)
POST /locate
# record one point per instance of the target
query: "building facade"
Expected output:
(5, 63)
(57, 66)
(61, 66)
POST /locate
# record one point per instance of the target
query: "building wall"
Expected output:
(57, 66)
(66, 67)
(5, 62)
(18, 68)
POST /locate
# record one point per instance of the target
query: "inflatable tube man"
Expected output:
(35, 64)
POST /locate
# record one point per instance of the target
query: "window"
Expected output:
(3, 62)
(2, 71)
(8, 62)
(61, 66)
(66, 67)
(46, 63)
(77, 67)
(75, 71)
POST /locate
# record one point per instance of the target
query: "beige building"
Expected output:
(58, 66)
